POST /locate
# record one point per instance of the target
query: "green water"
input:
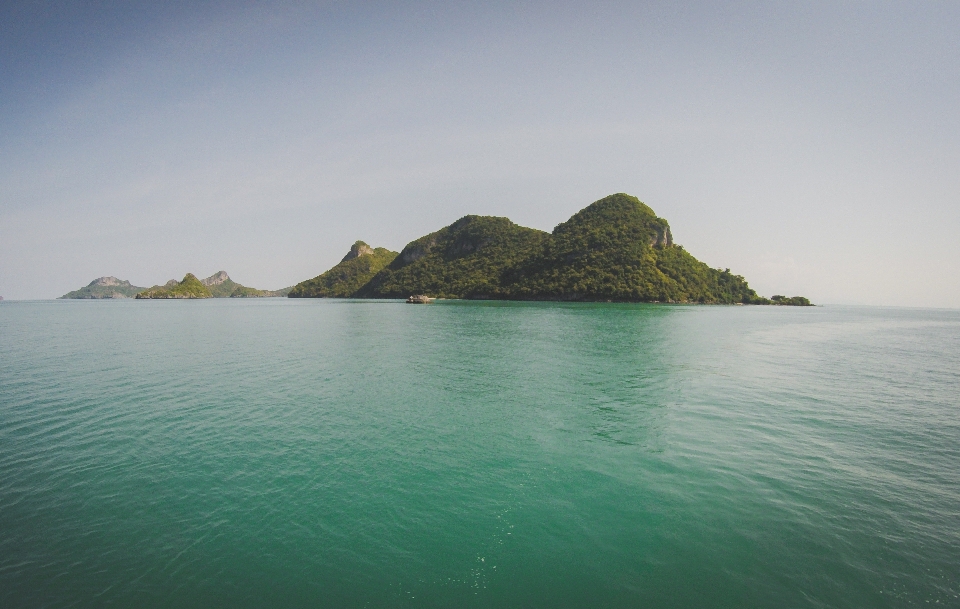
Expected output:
(302, 453)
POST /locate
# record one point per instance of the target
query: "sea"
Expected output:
(345, 453)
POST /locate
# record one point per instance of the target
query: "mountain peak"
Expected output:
(358, 249)
(342, 281)
(619, 214)
(216, 279)
(104, 287)
(107, 281)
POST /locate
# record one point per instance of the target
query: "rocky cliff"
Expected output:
(218, 278)
(357, 250)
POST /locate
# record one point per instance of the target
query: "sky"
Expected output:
(813, 148)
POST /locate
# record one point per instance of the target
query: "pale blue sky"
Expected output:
(812, 148)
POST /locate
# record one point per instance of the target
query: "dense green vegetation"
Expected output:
(218, 285)
(189, 287)
(344, 280)
(796, 301)
(468, 259)
(242, 291)
(104, 287)
(616, 249)
(224, 288)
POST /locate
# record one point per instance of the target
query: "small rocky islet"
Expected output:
(614, 250)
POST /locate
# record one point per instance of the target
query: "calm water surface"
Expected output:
(303, 453)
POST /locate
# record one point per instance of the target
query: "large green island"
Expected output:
(616, 249)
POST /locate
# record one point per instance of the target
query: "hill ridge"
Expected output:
(615, 249)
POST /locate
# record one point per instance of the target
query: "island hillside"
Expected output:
(189, 287)
(616, 249)
(104, 287)
(357, 268)
(471, 258)
(221, 286)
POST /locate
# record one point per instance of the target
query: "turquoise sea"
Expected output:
(331, 453)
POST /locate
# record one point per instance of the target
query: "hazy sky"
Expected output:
(812, 148)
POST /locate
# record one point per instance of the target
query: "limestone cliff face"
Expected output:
(358, 249)
(216, 279)
(417, 250)
(663, 238)
(108, 282)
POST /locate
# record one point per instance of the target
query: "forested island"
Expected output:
(104, 287)
(616, 249)
(218, 285)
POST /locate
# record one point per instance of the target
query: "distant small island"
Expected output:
(104, 287)
(616, 249)
(792, 301)
(218, 285)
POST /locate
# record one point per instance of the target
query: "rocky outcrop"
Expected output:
(107, 282)
(663, 237)
(216, 279)
(417, 250)
(358, 249)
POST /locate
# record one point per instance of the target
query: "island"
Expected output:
(616, 249)
(104, 287)
(218, 285)
(187, 288)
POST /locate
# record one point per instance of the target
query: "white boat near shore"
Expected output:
(419, 299)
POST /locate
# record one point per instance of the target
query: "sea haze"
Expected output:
(333, 453)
